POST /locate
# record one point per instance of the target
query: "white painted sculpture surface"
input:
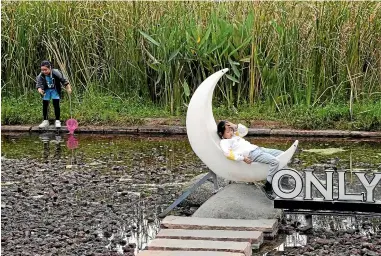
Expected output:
(202, 135)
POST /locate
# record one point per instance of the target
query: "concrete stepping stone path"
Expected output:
(189, 236)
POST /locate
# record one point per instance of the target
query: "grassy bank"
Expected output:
(108, 110)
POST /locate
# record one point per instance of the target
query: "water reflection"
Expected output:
(49, 139)
(295, 240)
(360, 224)
(145, 229)
(369, 224)
(72, 144)
(285, 242)
(291, 241)
(53, 141)
(136, 233)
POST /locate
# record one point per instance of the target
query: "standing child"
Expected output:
(49, 85)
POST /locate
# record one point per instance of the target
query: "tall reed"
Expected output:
(279, 53)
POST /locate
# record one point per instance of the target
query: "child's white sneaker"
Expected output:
(58, 124)
(44, 124)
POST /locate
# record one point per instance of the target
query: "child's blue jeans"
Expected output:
(266, 156)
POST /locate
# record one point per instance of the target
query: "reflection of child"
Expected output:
(237, 148)
(49, 86)
(45, 138)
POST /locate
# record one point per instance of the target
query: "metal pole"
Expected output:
(215, 181)
(186, 194)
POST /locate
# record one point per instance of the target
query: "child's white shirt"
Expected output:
(237, 148)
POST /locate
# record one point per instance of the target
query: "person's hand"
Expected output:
(68, 89)
(247, 160)
(231, 125)
(40, 91)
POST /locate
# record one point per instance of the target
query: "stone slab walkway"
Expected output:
(214, 235)
(188, 253)
(200, 245)
(180, 130)
(255, 238)
(179, 222)
(208, 236)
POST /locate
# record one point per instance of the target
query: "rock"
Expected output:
(128, 249)
(122, 242)
(202, 193)
(355, 251)
(322, 241)
(367, 245)
(94, 163)
(107, 234)
(238, 201)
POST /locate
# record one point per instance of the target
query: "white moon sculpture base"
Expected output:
(202, 135)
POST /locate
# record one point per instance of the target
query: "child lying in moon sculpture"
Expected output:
(235, 147)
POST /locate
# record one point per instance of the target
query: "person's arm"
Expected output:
(68, 88)
(247, 160)
(63, 80)
(239, 130)
(40, 85)
(228, 152)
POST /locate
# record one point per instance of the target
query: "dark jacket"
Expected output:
(58, 80)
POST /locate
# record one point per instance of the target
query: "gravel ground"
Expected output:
(58, 209)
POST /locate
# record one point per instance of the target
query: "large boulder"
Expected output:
(239, 201)
(203, 192)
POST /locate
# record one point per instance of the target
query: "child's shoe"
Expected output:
(267, 188)
(44, 124)
(58, 124)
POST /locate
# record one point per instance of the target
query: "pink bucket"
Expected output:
(71, 125)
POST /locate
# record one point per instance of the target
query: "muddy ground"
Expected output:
(107, 204)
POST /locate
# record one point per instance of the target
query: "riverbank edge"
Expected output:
(181, 130)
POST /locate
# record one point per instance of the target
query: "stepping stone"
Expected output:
(200, 245)
(253, 237)
(269, 226)
(188, 253)
(15, 128)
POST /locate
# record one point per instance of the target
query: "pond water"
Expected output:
(105, 195)
(176, 149)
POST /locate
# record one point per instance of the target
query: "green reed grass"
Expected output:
(280, 54)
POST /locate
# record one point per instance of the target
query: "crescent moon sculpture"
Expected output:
(202, 135)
